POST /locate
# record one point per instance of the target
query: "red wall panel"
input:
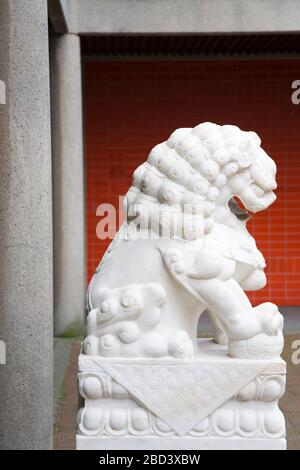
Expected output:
(130, 106)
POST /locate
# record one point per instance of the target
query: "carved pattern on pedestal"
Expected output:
(221, 423)
(122, 415)
(264, 388)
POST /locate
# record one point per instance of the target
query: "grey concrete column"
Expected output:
(2, 92)
(68, 185)
(26, 228)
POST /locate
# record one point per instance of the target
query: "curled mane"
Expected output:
(174, 192)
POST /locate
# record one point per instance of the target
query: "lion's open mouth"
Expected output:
(238, 209)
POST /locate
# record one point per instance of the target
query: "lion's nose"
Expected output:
(274, 186)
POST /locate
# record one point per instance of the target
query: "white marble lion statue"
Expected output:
(185, 249)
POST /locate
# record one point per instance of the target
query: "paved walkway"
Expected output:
(67, 401)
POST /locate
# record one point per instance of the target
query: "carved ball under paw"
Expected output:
(261, 346)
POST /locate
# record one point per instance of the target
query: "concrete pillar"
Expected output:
(2, 92)
(26, 303)
(68, 185)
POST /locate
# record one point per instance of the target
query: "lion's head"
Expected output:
(176, 190)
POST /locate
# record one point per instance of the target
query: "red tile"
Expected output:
(132, 106)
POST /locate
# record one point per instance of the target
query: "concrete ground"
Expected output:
(66, 397)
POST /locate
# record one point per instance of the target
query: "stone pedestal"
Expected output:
(210, 402)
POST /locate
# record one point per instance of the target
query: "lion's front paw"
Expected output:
(266, 344)
(270, 318)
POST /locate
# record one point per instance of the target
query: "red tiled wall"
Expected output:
(130, 106)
